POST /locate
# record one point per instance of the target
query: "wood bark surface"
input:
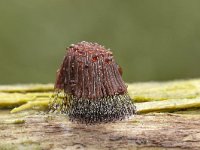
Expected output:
(33, 129)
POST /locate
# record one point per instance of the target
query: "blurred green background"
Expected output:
(151, 39)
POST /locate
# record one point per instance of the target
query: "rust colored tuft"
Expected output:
(94, 91)
(89, 71)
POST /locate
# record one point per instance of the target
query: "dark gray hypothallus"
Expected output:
(93, 86)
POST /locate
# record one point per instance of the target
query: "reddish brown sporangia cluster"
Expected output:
(92, 82)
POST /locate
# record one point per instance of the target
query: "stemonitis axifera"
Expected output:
(91, 85)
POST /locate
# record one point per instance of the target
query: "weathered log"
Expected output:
(33, 129)
(39, 130)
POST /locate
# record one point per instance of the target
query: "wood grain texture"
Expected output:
(33, 129)
(50, 131)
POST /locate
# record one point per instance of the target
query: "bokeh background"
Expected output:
(151, 39)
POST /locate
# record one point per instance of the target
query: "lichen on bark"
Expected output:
(149, 97)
